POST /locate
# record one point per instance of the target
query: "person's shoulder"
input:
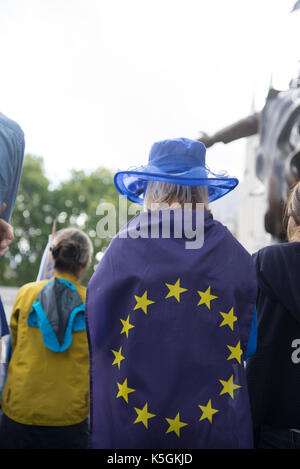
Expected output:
(12, 126)
(277, 250)
(273, 260)
(31, 287)
(27, 293)
(234, 242)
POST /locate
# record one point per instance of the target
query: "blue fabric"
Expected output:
(64, 282)
(4, 330)
(152, 334)
(67, 283)
(252, 341)
(12, 147)
(38, 318)
(178, 161)
(79, 322)
(76, 322)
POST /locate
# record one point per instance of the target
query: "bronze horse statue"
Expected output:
(278, 158)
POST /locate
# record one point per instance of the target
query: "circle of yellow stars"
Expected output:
(208, 411)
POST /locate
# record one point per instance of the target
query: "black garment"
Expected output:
(278, 438)
(14, 435)
(273, 372)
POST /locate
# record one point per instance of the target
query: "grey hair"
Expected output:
(158, 192)
(85, 248)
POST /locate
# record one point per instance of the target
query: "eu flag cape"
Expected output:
(167, 329)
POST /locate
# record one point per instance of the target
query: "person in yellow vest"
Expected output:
(45, 401)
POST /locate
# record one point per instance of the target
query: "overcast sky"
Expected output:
(96, 82)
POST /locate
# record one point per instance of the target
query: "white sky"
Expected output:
(96, 82)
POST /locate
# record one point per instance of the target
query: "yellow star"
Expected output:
(206, 297)
(124, 390)
(118, 357)
(175, 290)
(229, 386)
(126, 326)
(142, 302)
(207, 411)
(236, 352)
(143, 415)
(175, 425)
(228, 319)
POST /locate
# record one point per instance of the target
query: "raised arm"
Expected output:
(242, 128)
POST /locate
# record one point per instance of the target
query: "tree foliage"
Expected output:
(73, 203)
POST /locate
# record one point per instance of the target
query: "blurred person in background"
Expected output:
(273, 372)
(45, 400)
(12, 147)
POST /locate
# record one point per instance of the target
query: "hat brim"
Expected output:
(133, 182)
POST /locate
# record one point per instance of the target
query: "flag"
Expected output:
(168, 328)
(46, 270)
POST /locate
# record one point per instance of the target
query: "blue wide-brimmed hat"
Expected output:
(178, 161)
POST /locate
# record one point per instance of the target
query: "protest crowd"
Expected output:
(171, 345)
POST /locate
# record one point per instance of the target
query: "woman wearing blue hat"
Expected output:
(179, 161)
(170, 327)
